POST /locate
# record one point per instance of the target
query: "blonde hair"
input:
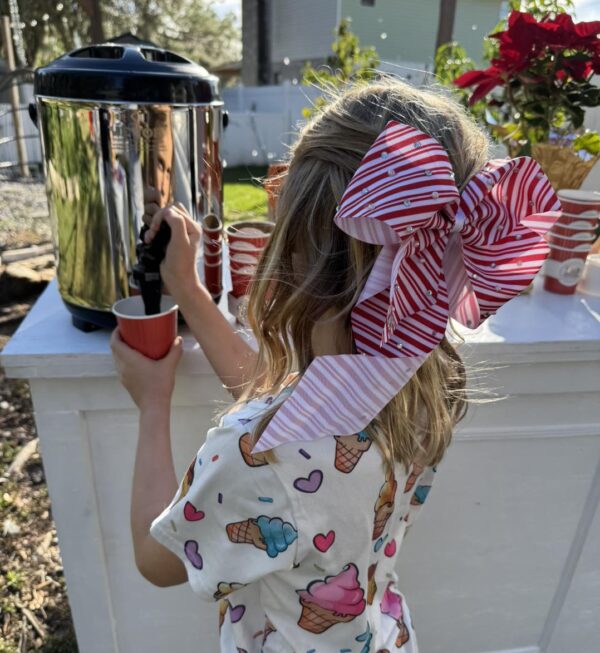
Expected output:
(311, 268)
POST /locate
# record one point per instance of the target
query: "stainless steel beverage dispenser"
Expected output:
(114, 120)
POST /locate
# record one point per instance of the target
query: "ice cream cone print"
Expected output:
(186, 481)
(224, 605)
(253, 460)
(317, 620)
(337, 599)
(403, 635)
(224, 589)
(271, 534)
(384, 506)
(269, 628)
(391, 605)
(371, 584)
(246, 532)
(415, 472)
(418, 498)
(349, 450)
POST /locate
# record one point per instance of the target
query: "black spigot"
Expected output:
(147, 269)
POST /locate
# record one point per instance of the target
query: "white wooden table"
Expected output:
(504, 558)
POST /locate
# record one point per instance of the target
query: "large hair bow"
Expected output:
(444, 254)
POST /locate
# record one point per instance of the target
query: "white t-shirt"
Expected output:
(300, 553)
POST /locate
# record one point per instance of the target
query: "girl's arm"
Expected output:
(230, 355)
(154, 486)
(150, 384)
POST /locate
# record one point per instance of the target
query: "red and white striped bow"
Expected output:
(444, 254)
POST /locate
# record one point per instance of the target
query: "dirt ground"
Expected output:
(23, 213)
(34, 610)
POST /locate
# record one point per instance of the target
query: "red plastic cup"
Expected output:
(563, 268)
(257, 233)
(580, 202)
(241, 247)
(212, 225)
(241, 280)
(239, 261)
(578, 226)
(571, 241)
(213, 258)
(151, 335)
(212, 245)
(213, 278)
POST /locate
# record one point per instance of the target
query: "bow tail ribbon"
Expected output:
(464, 307)
(444, 254)
(337, 395)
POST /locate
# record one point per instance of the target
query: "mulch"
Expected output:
(34, 610)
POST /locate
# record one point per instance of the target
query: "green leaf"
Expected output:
(577, 115)
(590, 142)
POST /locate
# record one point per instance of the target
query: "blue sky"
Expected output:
(585, 9)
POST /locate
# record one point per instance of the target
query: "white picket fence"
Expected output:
(8, 150)
(263, 122)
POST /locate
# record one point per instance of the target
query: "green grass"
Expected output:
(243, 195)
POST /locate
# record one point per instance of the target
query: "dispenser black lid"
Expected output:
(120, 72)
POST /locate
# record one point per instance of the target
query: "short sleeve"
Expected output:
(420, 492)
(231, 521)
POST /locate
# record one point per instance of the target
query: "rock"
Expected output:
(33, 251)
(25, 278)
(9, 527)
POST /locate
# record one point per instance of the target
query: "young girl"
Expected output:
(293, 512)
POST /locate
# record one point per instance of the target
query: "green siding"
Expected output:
(411, 26)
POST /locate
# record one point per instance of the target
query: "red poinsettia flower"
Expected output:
(484, 81)
(562, 32)
(521, 36)
(589, 30)
(578, 70)
(527, 40)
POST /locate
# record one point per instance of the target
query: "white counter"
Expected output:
(504, 557)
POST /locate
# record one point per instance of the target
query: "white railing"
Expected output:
(263, 123)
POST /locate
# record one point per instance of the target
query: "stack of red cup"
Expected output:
(246, 241)
(571, 239)
(212, 249)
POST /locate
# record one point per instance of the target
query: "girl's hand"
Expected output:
(178, 269)
(150, 383)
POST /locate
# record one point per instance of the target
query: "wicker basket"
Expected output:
(562, 166)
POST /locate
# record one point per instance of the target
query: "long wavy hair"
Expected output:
(312, 273)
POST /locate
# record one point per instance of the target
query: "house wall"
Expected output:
(411, 27)
(302, 31)
(402, 31)
(249, 43)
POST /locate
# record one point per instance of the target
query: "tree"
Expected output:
(540, 8)
(92, 9)
(190, 27)
(445, 23)
(349, 62)
(51, 28)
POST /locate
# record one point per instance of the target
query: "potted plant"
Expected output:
(536, 89)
